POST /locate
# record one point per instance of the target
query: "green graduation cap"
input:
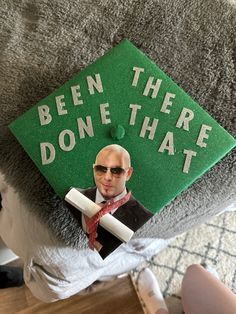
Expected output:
(123, 98)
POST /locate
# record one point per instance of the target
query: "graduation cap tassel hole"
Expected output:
(117, 132)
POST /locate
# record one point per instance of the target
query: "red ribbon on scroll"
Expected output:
(92, 223)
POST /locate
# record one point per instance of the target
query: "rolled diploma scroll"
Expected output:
(89, 208)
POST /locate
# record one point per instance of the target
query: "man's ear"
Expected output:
(129, 173)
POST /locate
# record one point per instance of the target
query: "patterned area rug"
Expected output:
(212, 243)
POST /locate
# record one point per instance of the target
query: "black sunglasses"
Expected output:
(116, 171)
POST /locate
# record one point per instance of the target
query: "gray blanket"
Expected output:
(44, 43)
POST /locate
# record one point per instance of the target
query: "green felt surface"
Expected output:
(158, 176)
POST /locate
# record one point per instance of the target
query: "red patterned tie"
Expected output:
(92, 223)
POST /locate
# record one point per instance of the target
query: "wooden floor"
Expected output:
(116, 297)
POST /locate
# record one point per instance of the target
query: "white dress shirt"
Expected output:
(99, 199)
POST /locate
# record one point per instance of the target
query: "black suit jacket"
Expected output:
(132, 214)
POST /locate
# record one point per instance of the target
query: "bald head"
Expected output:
(117, 149)
(111, 170)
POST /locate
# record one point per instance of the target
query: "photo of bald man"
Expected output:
(111, 170)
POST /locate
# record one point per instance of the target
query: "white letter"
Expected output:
(167, 102)
(203, 134)
(62, 140)
(104, 113)
(151, 128)
(184, 118)
(133, 113)
(83, 127)
(52, 153)
(76, 94)
(44, 115)
(60, 105)
(149, 86)
(136, 75)
(189, 155)
(92, 83)
(168, 144)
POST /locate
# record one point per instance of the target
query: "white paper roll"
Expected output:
(89, 208)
